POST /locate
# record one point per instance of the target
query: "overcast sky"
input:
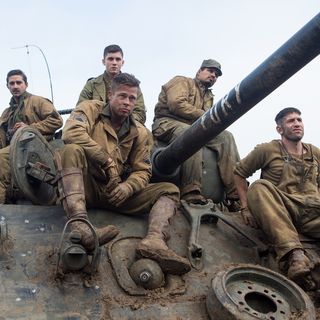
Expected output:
(161, 39)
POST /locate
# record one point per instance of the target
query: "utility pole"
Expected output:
(45, 59)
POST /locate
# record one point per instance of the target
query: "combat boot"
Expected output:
(72, 196)
(153, 246)
(191, 193)
(233, 205)
(299, 265)
(194, 197)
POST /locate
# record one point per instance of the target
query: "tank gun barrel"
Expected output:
(293, 55)
(65, 111)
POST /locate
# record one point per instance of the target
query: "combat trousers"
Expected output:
(5, 174)
(191, 170)
(96, 194)
(282, 216)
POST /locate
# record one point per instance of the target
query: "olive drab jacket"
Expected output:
(35, 111)
(98, 88)
(89, 126)
(183, 99)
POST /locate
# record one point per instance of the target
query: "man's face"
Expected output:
(122, 101)
(292, 127)
(16, 85)
(113, 62)
(208, 76)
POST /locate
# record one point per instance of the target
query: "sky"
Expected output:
(161, 39)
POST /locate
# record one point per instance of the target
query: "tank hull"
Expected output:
(30, 290)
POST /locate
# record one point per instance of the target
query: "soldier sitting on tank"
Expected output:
(106, 164)
(98, 88)
(286, 200)
(182, 101)
(25, 109)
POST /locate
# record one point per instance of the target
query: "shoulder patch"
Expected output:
(81, 117)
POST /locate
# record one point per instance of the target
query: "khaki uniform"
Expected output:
(90, 140)
(5, 176)
(286, 200)
(33, 110)
(98, 89)
(181, 102)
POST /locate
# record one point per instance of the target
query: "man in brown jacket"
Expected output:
(98, 88)
(286, 200)
(181, 102)
(106, 164)
(25, 109)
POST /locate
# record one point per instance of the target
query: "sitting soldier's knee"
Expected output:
(71, 154)
(259, 188)
(170, 190)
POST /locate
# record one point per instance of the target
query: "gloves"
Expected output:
(248, 218)
(120, 194)
(112, 174)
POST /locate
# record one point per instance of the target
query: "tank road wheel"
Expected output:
(32, 166)
(147, 273)
(245, 292)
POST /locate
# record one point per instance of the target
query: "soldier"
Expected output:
(285, 201)
(98, 88)
(25, 109)
(106, 164)
(181, 102)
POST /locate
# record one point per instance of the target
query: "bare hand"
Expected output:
(248, 218)
(120, 194)
(19, 125)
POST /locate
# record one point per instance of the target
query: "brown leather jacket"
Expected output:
(89, 126)
(183, 99)
(37, 112)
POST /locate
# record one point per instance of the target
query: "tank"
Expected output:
(46, 274)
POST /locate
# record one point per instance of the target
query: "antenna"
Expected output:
(45, 59)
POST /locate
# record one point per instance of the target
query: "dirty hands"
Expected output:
(248, 218)
(112, 174)
(117, 191)
(19, 125)
(120, 193)
(12, 131)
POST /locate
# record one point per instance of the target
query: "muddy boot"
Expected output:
(299, 265)
(233, 205)
(71, 191)
(191, 193)
(153, 246)
(194, 197)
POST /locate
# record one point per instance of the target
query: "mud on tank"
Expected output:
(46, 274)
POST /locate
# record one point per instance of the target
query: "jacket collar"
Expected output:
(127, 129)
(203, 89)
(16, 102)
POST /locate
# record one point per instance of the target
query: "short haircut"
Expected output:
(279, 117)
(112, 49)
(17, 72)
(124, 79)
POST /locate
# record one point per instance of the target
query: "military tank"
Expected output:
(46, 274)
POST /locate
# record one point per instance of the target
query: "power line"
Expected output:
(45, 59)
